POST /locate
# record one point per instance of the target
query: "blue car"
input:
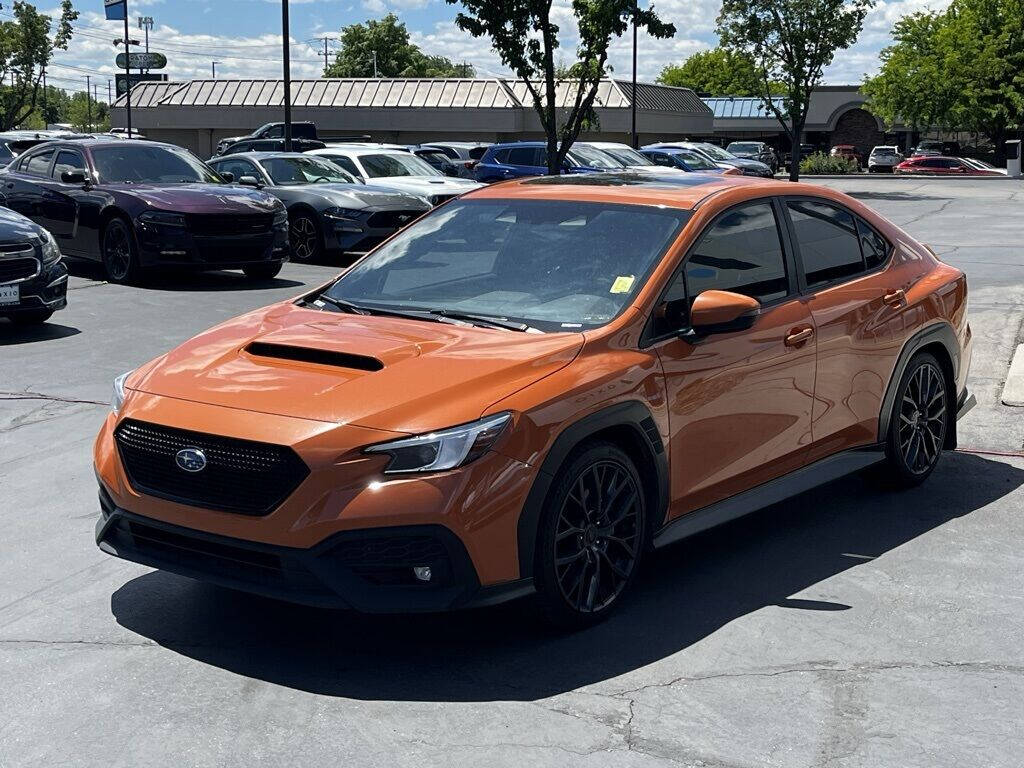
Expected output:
(684, 159)
(530, 158)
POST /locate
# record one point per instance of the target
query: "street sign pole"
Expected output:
(286, 36)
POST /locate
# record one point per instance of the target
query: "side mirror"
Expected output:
(228, 176)
(249, 181)
(722, 312)
(73, 177)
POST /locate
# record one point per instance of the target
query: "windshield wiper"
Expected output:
(495, 322)
(344, 306)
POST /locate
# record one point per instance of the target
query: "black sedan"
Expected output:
(329, 210)
(137, 204)
(33, 278)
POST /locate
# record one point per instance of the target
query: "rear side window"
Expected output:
(522, 156)
(39, 165)
(741, 252)
(828, 241)
(873, 245)
(345, 163)
(477, 152)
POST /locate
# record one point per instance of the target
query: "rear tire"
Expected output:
(119, 252)
(262, 272)
(592, 534)
(918, 423)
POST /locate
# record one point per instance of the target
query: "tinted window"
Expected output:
(5, 151)
(555, 265)
(140, 164)
(522, 156)
(827, 240)
(238, 168)
(304, 170)
(696, 162)
(344, 162)
(67, 161)
(741, 252)
(39, 165)
(397, 164)
(873, 245)
(477, 152)
(660, 158)
(500, 156)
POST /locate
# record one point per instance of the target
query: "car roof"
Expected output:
(358, 150)
(684, 191)
(466, 144)
(258, 155)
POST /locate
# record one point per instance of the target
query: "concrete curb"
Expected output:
(1013, 389)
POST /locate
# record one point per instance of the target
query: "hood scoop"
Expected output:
(315, 356)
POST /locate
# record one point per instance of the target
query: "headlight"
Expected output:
(162, 218)
(344, 218)
(443, 450)
(280, 217)
(51, 252)
(117, 399)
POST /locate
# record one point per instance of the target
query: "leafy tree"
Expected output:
(791, 42)
(87, 115)
(717, 72)
(523, 35)
(51, 107)
(25, 49)
(396, 55)
(959, 69)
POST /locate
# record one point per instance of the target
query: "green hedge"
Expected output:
(821, 163)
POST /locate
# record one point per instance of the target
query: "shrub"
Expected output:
(821, 163)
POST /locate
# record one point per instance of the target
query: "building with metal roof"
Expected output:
(198, 113)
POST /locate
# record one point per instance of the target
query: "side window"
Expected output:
(67, 161)
(500, 156)
(274, 133)
(741, 252)
(661, 158)
(522, 156)
(239, 168)
(873, 245)
(827, 241)
(345, 163)
(39, 164)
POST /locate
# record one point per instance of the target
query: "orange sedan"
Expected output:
(533, 385)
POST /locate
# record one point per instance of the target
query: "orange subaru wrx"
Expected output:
(533, 385)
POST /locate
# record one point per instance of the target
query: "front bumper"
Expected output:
(362, 234)
(46, 291)
(369, 570)
(163, 246)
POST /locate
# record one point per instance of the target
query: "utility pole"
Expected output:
(88, 103)
(213, 68)
(46, 123)
(632, 107)
(285, 41)
(325, 39)
(146, 23)
(110, 93)
(127, 74)
(375, 64)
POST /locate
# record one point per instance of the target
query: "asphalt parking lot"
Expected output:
(847, 627)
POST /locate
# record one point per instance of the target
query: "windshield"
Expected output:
(136, 164)
(696, 162)
(554, 265)
(716, 153)
(739, 146)
(304, 170)
(398, 164)
(884, 151)
(594, 158)
(627, 156)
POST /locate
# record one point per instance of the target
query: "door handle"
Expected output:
(796, 337)
(895, 298)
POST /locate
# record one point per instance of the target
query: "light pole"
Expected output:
(632, 106)
(375, 64)
(146, 23)
(213, 68)
(285, 40)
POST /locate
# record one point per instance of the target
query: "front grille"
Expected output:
(230, 252)
(392, 219)
(243, 476)
(221, 226)
(18, 269)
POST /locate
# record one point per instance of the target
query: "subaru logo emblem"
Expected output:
(190, 459)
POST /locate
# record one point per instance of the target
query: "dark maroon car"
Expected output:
(133, 205)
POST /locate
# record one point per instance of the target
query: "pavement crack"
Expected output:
(27, 395)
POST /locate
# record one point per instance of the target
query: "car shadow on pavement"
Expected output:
(687, 592)
(11, 333)
(180, 280)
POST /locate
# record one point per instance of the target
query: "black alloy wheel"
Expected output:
(593, 535)
(120, 259)
(919, 420)
(304, 238)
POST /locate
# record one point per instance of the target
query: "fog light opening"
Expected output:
(422, 572)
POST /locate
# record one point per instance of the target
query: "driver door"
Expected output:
(739, 402)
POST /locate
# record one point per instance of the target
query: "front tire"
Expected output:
(262, 272)
(304, 237)
(592, 535)
(918, 422)
(120, 254)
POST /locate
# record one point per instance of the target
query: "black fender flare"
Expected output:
(631, 414)
(943, 334)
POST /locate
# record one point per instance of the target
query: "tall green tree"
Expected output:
(958, 69)
(87, 115)
(383, 48)
(791, 42)
(717, 72)
(26, 47)
(524, 36)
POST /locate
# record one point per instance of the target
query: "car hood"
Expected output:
(359, 196)
(15, 227)
(428, 375)
(742, 162)
(426, 185)
(200, 198)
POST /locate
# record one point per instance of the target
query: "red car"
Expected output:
(848, 150)
(942, 166)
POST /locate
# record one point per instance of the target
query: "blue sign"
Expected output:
(117, 10)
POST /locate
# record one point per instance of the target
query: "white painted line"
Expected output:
(1013, 390)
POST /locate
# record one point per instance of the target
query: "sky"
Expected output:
(244, 37)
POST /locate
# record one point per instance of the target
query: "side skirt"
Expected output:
(804, 479)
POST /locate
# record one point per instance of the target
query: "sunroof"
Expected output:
(627, 180)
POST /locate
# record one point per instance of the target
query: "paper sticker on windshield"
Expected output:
(622, 284)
